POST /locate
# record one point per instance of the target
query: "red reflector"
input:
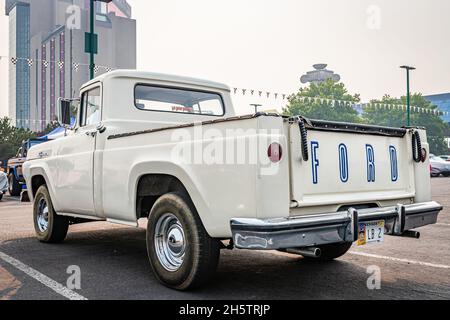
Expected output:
(423, 155)
(275, 152)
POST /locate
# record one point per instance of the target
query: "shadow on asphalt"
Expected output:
(114, 265)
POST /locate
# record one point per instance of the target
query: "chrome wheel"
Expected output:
(170, 244)
(42, 215)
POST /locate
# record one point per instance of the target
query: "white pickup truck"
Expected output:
(172, 150)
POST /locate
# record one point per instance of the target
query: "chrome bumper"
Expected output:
(306, 231)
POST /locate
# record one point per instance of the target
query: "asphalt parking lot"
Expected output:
(113, 265)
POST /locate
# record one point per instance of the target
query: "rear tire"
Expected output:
(182, 254)
(14, 186)
(49, 227)
(332, 251)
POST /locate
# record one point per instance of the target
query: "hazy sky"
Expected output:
(269, 44)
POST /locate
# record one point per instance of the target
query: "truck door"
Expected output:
(76, 157)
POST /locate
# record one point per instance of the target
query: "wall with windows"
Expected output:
(38, 31)
(442, 101)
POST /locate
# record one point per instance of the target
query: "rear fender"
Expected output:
(171, 169)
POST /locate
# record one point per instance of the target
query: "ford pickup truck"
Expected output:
(172, 150)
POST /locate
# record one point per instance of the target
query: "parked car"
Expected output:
(446, 158)
(439, 167)
(14, 167)
(172, 150)
(3, 184)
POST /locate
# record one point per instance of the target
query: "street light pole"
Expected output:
(92, 44)
(91, 54)
(408, 94)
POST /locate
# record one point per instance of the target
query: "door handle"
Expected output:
(91, 133)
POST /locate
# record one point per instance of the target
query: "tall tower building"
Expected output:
(320, 74)
(19, 73)
(48, 39)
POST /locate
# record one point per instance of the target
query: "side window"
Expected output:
(91, 107)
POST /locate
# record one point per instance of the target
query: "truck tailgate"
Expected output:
(350, 164)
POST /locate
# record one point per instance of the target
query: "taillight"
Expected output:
(423, 155)
(275, 152)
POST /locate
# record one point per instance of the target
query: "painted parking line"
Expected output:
(18, 206)
(415, 262)
(42, 278)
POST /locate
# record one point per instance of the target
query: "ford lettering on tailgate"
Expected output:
(360, 167)
(343, 162)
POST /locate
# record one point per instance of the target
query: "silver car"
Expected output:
(3, 184)
(439, 166)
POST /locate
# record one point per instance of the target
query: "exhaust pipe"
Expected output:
(311, 252)
(411, 234)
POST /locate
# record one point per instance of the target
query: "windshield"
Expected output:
(437, 159)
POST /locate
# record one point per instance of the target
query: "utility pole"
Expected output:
(408, 94)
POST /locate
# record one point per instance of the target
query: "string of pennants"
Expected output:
(254, 92)
(373, 105)
(260, 93)
(336, 102)
(34, 121)
(75, 65)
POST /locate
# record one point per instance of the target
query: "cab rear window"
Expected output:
(165, 99)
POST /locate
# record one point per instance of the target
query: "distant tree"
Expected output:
(394, 117)
(302, 104)
(11, 138)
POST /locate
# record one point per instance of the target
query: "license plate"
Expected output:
(371, 232)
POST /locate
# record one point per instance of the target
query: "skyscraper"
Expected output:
(19, 73)
(47, 41)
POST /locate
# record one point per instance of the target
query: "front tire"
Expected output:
(49, 227)
(182, 254)
(14, 186)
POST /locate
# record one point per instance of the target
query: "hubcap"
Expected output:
(42, 215)
(170, 244)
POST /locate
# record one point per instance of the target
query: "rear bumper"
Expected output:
(326, 228)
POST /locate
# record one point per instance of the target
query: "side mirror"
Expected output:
(64, 112)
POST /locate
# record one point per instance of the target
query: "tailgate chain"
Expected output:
(303, 134)
(304, 139)
(416, 146)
